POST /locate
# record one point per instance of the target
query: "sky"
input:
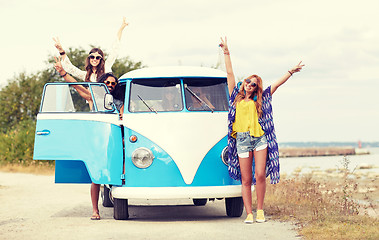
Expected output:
(334, 97)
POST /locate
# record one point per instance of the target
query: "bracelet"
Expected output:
(64, 75)
(226, 53)
(62, 53)
(290, 72)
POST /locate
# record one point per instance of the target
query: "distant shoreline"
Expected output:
(311, 144)
(320, 151)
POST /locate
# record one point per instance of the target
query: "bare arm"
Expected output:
(65, 61)
(285, 77)
(113, 54)
(58, 45)
(123, 25)
(228, 65)
(121, 112)
(68, 78)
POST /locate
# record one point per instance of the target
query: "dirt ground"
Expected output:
(33, 207)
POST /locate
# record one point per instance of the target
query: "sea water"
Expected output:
(321, 163)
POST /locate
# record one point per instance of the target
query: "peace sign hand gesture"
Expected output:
(124, 23)
(224, 46)
(58, 65)
(58, 45)
(297, 68)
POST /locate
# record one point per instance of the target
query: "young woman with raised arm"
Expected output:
(95, 63)
(251, 134)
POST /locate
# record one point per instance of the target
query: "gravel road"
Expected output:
(33, 207)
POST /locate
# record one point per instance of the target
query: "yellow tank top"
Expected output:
(247, 119)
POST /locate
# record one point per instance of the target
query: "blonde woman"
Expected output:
(251, 134)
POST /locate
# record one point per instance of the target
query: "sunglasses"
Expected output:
(93, 57)
(112, 83)
(253, 84)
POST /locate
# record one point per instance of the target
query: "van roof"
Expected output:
(175, 71)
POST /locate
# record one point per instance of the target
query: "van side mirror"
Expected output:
(108, 101)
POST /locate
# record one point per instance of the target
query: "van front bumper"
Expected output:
(176, 192)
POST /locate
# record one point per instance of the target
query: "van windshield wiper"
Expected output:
(147, 105)
(197, 97)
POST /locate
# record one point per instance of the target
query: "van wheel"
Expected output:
(200, 202)
(107, 198)
(234, 206)
(120, 210)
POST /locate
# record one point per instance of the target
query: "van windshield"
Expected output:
(158, 95)
(206, 94)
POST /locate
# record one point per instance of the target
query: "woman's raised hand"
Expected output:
(58, 65)
(58, 45)
(297, 68)
(224, 46)
(124, 23)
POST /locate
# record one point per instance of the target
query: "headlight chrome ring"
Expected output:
(224, 155)
(142, 157)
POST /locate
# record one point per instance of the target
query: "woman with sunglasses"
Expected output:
(95, 64)
(251, 134)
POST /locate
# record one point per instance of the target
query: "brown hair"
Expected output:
(257, 92)
(100, 69)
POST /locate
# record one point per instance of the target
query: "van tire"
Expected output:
(107, 200)
(200, 202)
(120, 210)
(234, 206)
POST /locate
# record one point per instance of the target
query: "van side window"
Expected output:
(73, 98)
(98, 94)
(205, 94)
(158, 95)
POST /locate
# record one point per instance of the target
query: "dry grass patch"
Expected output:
(35, 167)
(327, 207)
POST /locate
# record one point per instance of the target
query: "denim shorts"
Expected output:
(247, 143)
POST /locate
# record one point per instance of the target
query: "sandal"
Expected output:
(95, 216)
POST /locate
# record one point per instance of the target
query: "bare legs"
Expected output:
(95, 189)
(246, 180)
(260, 176)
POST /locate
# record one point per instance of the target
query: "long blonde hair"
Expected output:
(257, 92)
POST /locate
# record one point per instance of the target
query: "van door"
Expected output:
(75, 128)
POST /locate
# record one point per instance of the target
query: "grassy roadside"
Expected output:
(36, 167)
(335, 205)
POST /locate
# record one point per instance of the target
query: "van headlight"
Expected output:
(142, 157)
(224, 156)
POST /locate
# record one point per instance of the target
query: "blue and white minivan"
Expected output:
(170, 144)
